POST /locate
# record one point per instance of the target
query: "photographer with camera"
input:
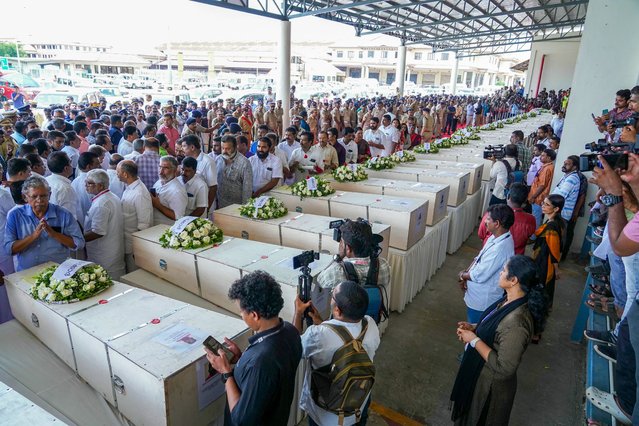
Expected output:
(506, 171)
(357, 258)
(324, 396)
(621, 112)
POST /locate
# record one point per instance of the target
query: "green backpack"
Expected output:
(342, 386)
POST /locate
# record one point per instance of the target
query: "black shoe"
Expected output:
(607, 352)
(606, 337)
(600, 268)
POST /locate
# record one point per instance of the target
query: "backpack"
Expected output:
(514, 176)
(342, 386)
(376, 293)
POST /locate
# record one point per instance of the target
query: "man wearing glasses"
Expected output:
(39, 231)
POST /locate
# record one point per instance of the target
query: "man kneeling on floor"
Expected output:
(325, 346)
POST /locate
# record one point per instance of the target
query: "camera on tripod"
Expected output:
(496, 151)
(305, 281)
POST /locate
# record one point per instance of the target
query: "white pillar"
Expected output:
(400, 73)
(284, 68)
(595, 81)
(453, 75)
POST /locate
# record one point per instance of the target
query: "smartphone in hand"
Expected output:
(214, 346)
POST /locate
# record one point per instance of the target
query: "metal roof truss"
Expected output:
(470, 27)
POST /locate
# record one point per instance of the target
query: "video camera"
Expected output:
(615, 154)
(335, 225)
(496, 151)
(630, 121)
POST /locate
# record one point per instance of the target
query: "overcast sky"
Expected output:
(144, 23)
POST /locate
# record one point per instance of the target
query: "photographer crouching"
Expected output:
(357, 260)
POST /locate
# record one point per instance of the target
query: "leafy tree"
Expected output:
(9, 50)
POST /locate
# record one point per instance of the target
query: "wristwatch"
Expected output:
(226, 376)
(609, 200)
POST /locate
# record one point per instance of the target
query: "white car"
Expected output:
(47, 98)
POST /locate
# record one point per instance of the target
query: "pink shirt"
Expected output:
(631, 230)
(171, 134)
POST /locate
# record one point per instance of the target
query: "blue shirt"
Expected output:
(115, 134)
(568, 187)
(18, 138)
(22, 222)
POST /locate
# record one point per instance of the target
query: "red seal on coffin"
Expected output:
(155, 321)
(103, 302)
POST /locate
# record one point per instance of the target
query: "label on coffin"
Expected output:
(180, 338)
(311, 183)
(209, 383)
(181, 224)
(68, 268)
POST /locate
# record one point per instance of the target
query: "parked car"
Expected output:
(59, 96)
(13, 82)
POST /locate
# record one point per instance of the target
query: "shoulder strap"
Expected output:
(351, 273)
(509, 169)
(345, 335)
(342, 332)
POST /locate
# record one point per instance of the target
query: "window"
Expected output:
(445, 56)
(418, 56)
(371, 53)
(351, 54)
(431, 57)
(340, 53)
(384, 54)
(395, 55)
(360, 54)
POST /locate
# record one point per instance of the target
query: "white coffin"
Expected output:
(294, 204)
(176, 266)
(475, 169)
(219, 267)
(396, 173)
(407, 217)
(233, 224)
(48, 322)
(312, 232)
(160, 385)
(16, 410)
(115, 340)
(457, 181)
(433, 193)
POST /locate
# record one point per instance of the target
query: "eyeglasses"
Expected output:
(38, 197)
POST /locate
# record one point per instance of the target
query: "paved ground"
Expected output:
(417, 363)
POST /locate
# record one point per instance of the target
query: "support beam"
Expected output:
(284, 70)
(400, 74)
(453, 75)
(475, 17)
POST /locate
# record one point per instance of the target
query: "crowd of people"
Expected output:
(82, 179)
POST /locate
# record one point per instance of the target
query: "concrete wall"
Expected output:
(596, 80)
(559, 58)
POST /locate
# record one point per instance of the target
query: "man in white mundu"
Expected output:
(392, 136)
(375, 138)
(104, 225)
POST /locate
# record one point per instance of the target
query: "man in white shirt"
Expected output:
(125, 146)
(304, 160)
(206, 166)
(375, 138)
(535, 163)
(288, 177)
(104, 225)
(392, 136)
(348, 142)
(349, 302)
(137, 209)
(196, 189)
(480, 282)
(168, 196)
(72, 149)
(138, 149)
(289, 144)
(88, 161)
(499, 172)
(326, 152)
(115, 185)
(267, 168)
(543, 136)
(62, 193)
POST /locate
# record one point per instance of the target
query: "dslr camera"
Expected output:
(496, 151)
(615, 154)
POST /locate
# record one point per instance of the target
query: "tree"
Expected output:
(9, 50)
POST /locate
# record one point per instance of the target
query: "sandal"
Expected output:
(606, 402)
(601, 298)
(603, 308)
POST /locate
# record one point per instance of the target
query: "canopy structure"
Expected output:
(468, 27)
